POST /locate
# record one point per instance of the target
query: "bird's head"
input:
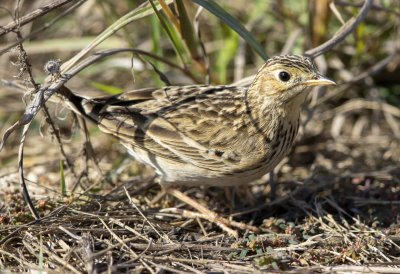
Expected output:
(285, 78)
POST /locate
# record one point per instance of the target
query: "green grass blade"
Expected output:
(187, 31)
(62, 179)
(218, 11)
(171, 32)
(138, 13)
(106, 88)
(156, 46)
(230, 46)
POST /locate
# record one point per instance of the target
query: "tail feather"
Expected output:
(82, 106)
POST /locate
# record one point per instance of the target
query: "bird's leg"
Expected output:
(272, 184)
(247, 193)
(210, 215)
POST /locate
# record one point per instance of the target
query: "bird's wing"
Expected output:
(179, 123)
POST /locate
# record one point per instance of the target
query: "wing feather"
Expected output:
(165, 123)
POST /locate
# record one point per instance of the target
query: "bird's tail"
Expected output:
(88, 108)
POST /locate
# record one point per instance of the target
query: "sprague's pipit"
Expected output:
(205, 135)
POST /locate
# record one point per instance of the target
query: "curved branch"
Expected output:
(32, 16)
(342, 33)
(374, 6)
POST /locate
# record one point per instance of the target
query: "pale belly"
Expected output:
(173, 173)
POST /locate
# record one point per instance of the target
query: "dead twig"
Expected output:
(359, 4)
(32, 16)
(342, 33)
(45, 26)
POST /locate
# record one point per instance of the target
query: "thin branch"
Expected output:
(374, 6)
(342, 33)
(32, 16)
(45, 26)
(376, 68)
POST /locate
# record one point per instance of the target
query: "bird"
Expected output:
(208, 135)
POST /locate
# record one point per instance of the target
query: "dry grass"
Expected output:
(334, 213)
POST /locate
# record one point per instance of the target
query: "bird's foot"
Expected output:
(208, 214)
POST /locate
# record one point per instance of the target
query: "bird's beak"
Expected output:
(320, 81)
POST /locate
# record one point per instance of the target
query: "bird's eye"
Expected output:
(284, 76)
